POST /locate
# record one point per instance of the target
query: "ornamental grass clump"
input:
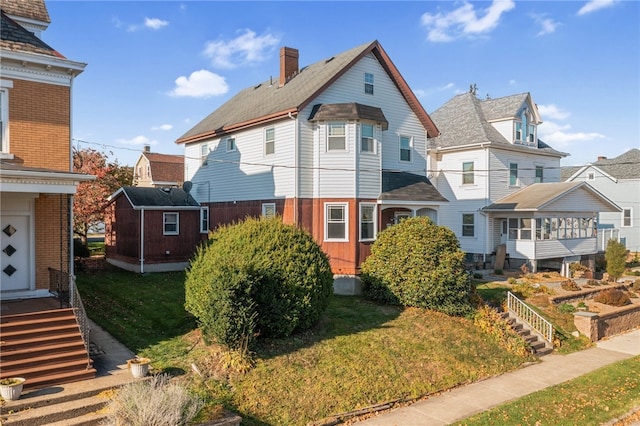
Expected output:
(153, 402)
(418, 263)
(257, 277)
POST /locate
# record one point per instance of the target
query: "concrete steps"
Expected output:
(539, 346)
(44, 347)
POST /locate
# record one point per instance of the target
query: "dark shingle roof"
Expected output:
(18, 39)
(408, 187)
(348, 111)
(267, 100)
(464, 120)
(159, 197)
(30, 9)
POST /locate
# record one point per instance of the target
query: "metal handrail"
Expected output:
(529, 316)
(79, 312)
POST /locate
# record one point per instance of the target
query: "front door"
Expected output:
(14, 253)
(504, 232)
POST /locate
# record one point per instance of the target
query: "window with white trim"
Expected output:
(368, 219)
(532, 133)
(368, 83)
(468, 225)
(626, 217)
(367, 143)
(591, 176)
(204, 153)
(231, 144)
(204, 220)
(518, 131)
(539, 174)
(336, 222)
(4, 119)
(405, 148)
(336, 136)
(268, 209)
(269, 141)
(467, 173)
(170, 223)
(513, 174)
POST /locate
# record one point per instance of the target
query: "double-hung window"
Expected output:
(532, 133)
(468, 225)
(204, 220)
(467, 173)
(336, 137)
(513, 174)
(336, 222)
(204, 153)
(171, 225)
(367, 221)
(366, 138)
(368, 83)
(405, 148)
(518, 131)
(539, 174)
(269, 141)
(231, 144)
(626, 217)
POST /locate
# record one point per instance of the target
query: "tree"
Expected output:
(616, 257)
(418, 263)
(91, 197)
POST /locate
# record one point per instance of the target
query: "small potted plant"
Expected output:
(139, 366)
(11, 388)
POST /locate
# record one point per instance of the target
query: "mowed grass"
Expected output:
(592, 399)
(359, 354)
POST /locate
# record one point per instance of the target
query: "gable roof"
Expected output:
(149, 198)
(465, 120)
(16, 38)
(404, 186)
(165, 167)
(538, 196)
(624, 166)
(268, 101)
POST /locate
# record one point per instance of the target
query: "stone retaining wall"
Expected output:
(598, 326)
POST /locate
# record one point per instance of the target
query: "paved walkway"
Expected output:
(463, 402)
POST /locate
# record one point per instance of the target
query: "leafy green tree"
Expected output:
(418, 263)
(257, 277)
(91, 197)
(616, 257)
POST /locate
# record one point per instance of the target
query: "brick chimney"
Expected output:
(601, 157)
(288, 64)
(147, 148)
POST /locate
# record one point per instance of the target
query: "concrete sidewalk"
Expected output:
(463, 402)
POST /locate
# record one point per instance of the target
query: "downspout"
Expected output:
(142, 241)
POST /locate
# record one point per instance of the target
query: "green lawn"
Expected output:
(359, 354)
(592, 399)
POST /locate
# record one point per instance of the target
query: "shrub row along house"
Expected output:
(343, 148)
(36, 188)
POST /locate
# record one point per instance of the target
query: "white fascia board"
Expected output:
(39, 68)
(45, 175)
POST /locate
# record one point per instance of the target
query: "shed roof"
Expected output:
(404, 186)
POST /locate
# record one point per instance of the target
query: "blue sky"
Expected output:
(156, 68)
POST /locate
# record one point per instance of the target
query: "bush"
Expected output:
(512, 281)
(570, 285)
(499, 272)
(156, 401)
(80, 249)
(491, 322)
(566, 308)
(261, 277)
(616, 257)
(613, 297)
(478, 276)
(418, 263)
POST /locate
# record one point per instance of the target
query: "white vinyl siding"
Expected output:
(336, 222)
(170, 223)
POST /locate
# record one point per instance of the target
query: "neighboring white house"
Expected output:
(619, 179)
(337, 147)
(502, 184)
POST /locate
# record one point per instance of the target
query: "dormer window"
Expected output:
(532, 133)
(518, 132)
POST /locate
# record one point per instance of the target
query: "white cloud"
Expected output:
(155, 23)
(547, 25)
(513, 82)
(246, 48)
(464, 21)
(200, 84)
(593, 5)
(552, 112)
(164, 127)
(138, 140)
(560, 136)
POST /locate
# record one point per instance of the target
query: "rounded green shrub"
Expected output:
(418, 263)
(257, 277)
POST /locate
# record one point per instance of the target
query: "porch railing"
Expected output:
(63, 285)
(531, 317)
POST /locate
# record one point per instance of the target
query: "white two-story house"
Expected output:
(503, 184)
(337, 147)
(619, 179)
